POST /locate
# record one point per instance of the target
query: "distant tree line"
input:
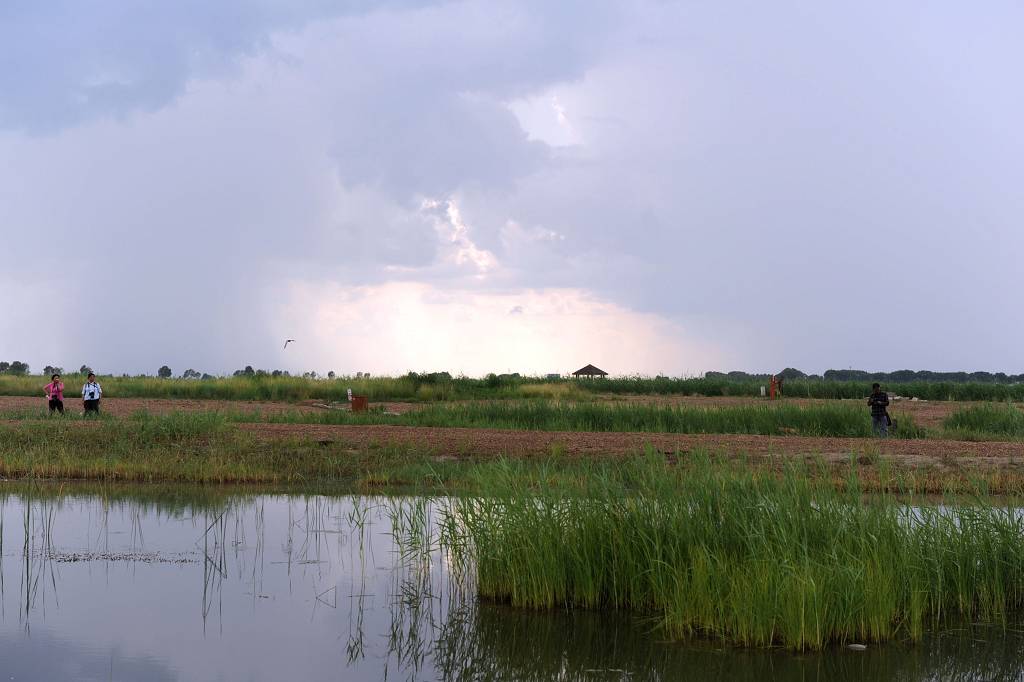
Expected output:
(17, 367)
(248, 371)
(902, 376)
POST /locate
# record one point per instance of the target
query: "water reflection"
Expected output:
(164, 583)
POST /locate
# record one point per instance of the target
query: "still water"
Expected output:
(179, 584)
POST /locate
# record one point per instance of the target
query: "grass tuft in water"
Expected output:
(721, 551)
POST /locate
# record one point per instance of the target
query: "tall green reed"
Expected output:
(981, 421)
(544, 415)
(717, 550)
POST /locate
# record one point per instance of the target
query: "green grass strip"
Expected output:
(840, 420)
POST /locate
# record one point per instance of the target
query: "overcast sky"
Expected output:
(651, 187)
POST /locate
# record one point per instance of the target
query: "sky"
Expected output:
(650, 186)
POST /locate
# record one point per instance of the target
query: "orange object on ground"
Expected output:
(360, 403)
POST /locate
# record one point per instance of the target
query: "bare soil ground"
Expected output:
(461, 442)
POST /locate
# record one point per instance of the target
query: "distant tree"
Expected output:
(745, 376)
(4, 366)
(164, 372)
(276, 373)
(49, 371)
(190, 374)
(18, 367)
(247, 372)
(85, 369)
(262, 373)
(790, 373)
(331, 374)
(207, 376)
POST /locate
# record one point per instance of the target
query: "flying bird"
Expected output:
(286, 342)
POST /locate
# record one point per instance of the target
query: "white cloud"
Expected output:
(398, 327)
(545, 118)
(458, 248)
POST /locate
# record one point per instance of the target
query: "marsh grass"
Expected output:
(726, 552)
(424, 388)
(986, 422)
(545, 415)
(199, 448)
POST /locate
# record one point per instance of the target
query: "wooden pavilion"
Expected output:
(589, 371)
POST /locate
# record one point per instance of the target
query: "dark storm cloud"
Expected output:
(67, 61)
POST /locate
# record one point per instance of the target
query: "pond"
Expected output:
(186, 584)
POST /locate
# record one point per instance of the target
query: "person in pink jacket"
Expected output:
(55, 394)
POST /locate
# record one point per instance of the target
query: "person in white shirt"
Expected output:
(91, 394)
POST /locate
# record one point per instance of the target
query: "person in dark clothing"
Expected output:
(879, 402)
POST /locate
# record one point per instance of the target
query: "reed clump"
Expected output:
(723, 551)
(984, 422)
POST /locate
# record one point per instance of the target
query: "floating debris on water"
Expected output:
(143, 557)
